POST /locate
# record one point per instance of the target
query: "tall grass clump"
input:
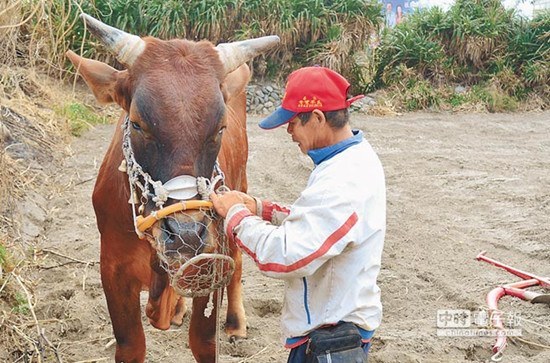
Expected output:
(475, 43)
(329, 33)
(80, 117)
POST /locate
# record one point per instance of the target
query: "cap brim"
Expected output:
(279, 117)
(353, 99)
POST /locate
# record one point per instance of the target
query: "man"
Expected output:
(390, 17)
(327, 246)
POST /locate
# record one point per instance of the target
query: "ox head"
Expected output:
(173, 94)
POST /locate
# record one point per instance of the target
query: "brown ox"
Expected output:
(180, 97)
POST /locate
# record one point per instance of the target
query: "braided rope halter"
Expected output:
(203, 273)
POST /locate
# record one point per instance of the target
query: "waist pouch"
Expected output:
(336, 344)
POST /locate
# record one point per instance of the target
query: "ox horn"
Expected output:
(237, 53)
(126, 47)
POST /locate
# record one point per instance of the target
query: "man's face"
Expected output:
(307, 136)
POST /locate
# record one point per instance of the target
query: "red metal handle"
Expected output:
(544, 282)
(492, 301)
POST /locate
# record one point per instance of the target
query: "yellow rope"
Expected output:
(535, 323)
(144, 223)
(531, 343)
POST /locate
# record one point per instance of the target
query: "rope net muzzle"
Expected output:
(187, 235)
(193, 251)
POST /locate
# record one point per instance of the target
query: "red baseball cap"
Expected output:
(307, 89)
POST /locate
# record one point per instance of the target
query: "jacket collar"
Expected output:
(325, 153)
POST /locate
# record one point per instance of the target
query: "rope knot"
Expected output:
(161, 194)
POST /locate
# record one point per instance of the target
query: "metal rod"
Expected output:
(544, 282)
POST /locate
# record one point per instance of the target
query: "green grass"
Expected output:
(501, 57)
(6, 263)
(421, 95)
(80, 117)
(16, 300)
(457, 99)
(304, 26)
(21, 305)
(3, 257)
(475, 42)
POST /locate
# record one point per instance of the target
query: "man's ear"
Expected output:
(319, 116)
(100, 77)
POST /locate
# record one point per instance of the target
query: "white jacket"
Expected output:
(329, 246)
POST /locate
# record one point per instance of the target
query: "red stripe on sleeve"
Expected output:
(235, 220)
(329, 242)
(279, 208)
(268, 208)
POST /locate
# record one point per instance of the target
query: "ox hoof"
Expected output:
(177, 320)
(181, 311)
(233, 339)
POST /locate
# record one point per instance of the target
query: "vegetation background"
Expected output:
(499, 59)
(477, 56)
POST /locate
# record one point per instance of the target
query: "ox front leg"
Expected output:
(122, 294)
(235, 325)
(202, 330)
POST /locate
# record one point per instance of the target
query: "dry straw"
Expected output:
(31, 137)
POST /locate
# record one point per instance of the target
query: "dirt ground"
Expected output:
(458, 184)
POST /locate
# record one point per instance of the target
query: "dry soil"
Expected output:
(458, 184)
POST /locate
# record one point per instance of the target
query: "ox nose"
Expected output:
(183, 238)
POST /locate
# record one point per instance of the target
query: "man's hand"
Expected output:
(224, 202)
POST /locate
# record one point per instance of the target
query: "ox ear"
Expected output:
(235, 82)
(100, 77)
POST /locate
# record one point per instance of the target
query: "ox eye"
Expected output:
(221, 130)
(136, 126)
